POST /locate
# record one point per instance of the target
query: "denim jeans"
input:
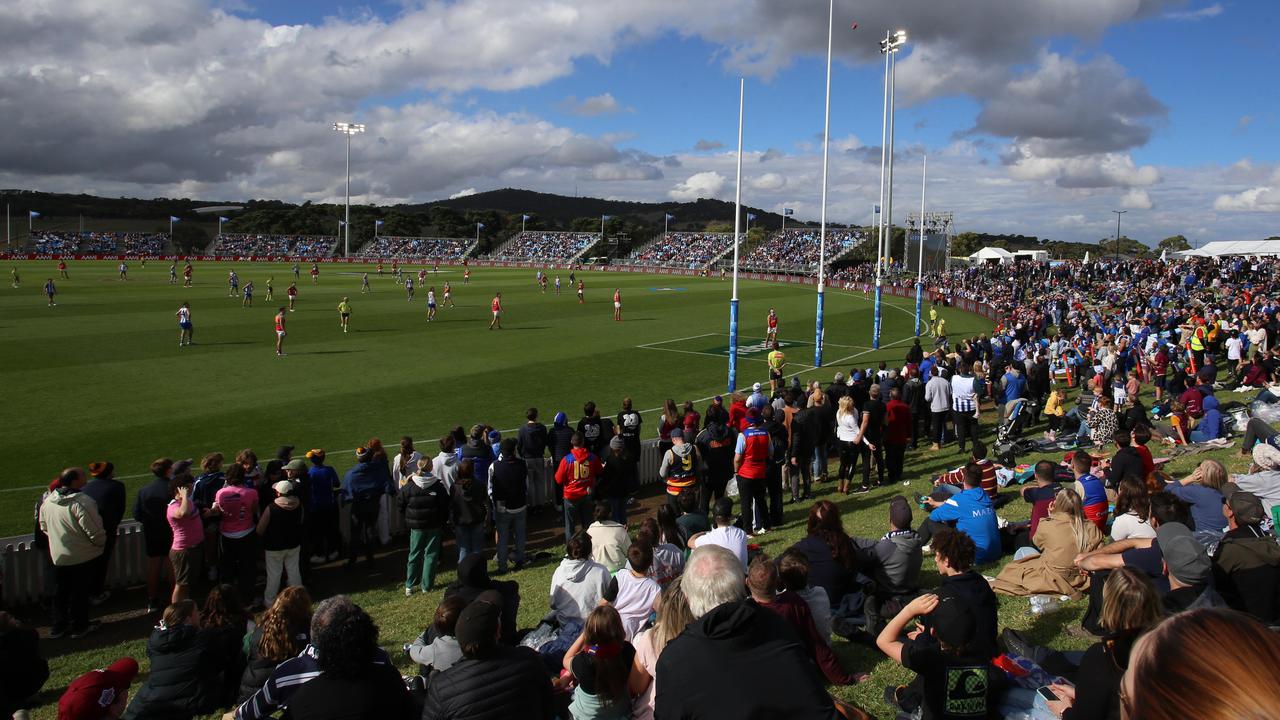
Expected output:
(820, 461)
(577, 513)
(506, 522)
(470, 540)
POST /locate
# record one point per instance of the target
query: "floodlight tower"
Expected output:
(348, 129)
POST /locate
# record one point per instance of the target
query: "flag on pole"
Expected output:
(479, 226)
(33, 214)
(750, 216)
(670, 216)
(606, 217)
(342, 223)
(877, 209)
(526, 218)
(378, 223)
(788, 211)
(173, 219)
(223, 219)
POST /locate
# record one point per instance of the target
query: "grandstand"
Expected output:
(98, 243)
(546, 247)
(274, 245)
(796, 249)
(684, 250)
(427, 248)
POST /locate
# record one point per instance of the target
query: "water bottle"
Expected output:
(1041, 604)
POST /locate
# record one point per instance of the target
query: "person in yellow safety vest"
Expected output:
(1198, 342)
(777, 362)
(933, 320)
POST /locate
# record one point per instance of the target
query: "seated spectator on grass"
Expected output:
(1092, 492)
(1188, 568)
(763, 584)
(285, 631)
(953, 556)
(633, 590)
(578, 583)
(349, 685)
(187, 667)
(1210, 425)
(1060, 537)
(971, 512)
(492, 680)
(1041, 492)
(793, 576)
(692, 520)
(1133, 506)
(1246, 563)
(1127, 460)
(735, 655)
(671, 618)
(833, 561)
(893, 563)
(953, 482)
(473, 580)
(436, 649)
(1202, 489)
(725, 534)
(609, 540)
(1209, 664)
(668, 559)
(953, 671)
(99, 694)
(601, 663)
(1263, 478)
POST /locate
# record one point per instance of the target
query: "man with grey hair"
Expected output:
(733, 642)
(297, 671)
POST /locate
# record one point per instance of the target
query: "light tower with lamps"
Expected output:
(889, 47)
(348, 129)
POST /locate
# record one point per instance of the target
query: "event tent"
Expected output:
(1224, 248)
(987, 254)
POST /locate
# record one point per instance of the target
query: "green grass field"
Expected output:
(101, 375)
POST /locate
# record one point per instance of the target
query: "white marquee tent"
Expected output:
(1224, 248)
(987, 254)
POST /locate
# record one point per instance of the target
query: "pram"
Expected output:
(1009, 442)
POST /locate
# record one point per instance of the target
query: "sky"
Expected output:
(1038, 118)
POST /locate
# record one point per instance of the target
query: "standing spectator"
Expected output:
(937, 392)
(204, 489)
(70, 520)
(424, 504)
(849, 440)
(965, 391)
(629, 423)
(325, 536)
(616, 479)
(280, 527)
(595, 430)
(470, 512)
(806, 433)
(237, 504)
(715, 445)
(560, 440)
(477, 449)
(363, 488)
(532, 440)
(109, 493)
(576, 475)
(874, 417)
(444, 466)
(751, 460)
(897, 434)
(187, 528)
(508, 491)
(149, 511)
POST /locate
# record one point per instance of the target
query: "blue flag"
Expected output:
(670, 216)
(378, 223)
(877, 209)
(751, 216)
(223, 219)
(526, 218)
(33, 214)
(788, 211)
(479, 226)
(174, 219)
(606, 217)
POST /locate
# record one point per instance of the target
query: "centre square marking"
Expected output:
(755, 348)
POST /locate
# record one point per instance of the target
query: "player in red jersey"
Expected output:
(496, 306)
(280, 333)
(617, 304)
(580, 288)
(771, 327)
(292, 292)
(186, 275)
(466, 276)
(62, 270)
(315, 274)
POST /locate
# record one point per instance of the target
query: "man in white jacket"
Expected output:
(76, 538)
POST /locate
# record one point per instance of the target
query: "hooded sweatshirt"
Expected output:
(576, 588)
(742, 646)
(70, 519)
(445, 469)
(895, 559)
(473, 579)
(424, 502)
(680, 468)
(560, 438)
(577, 474)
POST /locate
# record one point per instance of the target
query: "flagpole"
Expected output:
(822, 232)
(886, 48)
(219, 225)
(666, 221)
(924, 178)
(737, 241)
(523, 219)
(784, 220)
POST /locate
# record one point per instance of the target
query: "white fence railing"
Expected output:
(25, 574)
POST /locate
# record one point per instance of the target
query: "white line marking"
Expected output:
(676, 340)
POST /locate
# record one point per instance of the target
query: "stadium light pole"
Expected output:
(737, 240)
(888, 47)
(348, 129)
(924, 179)
(1118, 214)
(822, 231)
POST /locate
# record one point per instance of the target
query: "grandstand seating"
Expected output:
(303, 245)
(684, 249)
(98, 242)
(391, 246)
(546, 246)
(797, 249)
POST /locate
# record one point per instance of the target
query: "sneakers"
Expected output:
(759, 531)
(408, 592)
(77, 634)
(862, 490)
(927, 549)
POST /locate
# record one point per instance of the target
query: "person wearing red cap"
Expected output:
(99, 694)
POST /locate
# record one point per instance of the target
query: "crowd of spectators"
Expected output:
(440, 249)
(228, 245)
(547, 247)
(797, 249)
(684, 249)
(680, 614)
(98, 243)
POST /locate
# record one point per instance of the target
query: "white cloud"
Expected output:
(463, 193)
(1089, 171)
(1259, 199)
(768, 181)
(1136, 199)
(699, 185)
(590, 107)
(1204, 13)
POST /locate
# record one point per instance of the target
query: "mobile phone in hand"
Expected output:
(1047, 694)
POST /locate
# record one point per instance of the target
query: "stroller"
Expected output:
(1009, 442)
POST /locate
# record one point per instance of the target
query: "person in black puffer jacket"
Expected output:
(284, 632)
(26, 670)
(424, 503)
(491, 682)
(186, 669)
(473, 580)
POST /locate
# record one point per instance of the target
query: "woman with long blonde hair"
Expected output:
(1203, 490)
(673, 616)
(849, 437)
(1060, 537)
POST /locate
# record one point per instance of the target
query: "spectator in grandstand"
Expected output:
(734, 643)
